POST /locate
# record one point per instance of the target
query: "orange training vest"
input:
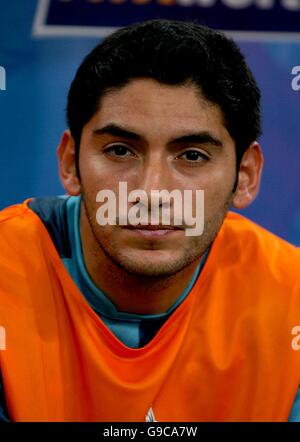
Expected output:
(224, 355)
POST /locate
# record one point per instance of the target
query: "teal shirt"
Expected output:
(133, 330)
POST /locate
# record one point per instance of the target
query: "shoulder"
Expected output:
(49, 210)
(257, 247)
(36, 217)
(240, 228)
(13, 212)
(32, 235)
(14, 220)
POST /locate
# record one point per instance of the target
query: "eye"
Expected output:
(118, 150)
(194, 156)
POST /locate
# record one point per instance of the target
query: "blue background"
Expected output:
(32, 116)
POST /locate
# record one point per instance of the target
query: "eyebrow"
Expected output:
(202, 137)
(198, 138)
(117, 131)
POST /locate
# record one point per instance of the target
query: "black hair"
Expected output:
(173, 53)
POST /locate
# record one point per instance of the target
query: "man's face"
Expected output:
(155, 137)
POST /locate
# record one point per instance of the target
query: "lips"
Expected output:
(153, 232)
(153, 227)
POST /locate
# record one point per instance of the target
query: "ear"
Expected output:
(249, 177)
(67, 165)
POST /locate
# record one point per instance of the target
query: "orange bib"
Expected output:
(224, 355)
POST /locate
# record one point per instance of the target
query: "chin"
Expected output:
(150, 272)
(154, 266)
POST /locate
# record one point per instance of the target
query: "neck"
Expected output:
(129, 292)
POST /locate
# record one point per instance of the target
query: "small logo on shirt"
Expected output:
(150, 416)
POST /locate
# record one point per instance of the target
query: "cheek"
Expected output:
(218, 189)
(99, 173)
(95, 176)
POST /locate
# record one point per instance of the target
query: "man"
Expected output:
(140, 321)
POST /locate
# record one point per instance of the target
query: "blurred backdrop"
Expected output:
(43, 42)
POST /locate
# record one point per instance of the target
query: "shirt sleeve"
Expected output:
(295, 412)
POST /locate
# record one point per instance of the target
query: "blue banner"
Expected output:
(98, 17)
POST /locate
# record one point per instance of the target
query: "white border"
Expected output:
(39, 30)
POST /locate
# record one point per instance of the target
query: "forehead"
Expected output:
(145, 105)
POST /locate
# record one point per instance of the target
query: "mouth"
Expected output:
(153, 231)
(153, 227)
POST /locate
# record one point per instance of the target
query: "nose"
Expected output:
(155, 174)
